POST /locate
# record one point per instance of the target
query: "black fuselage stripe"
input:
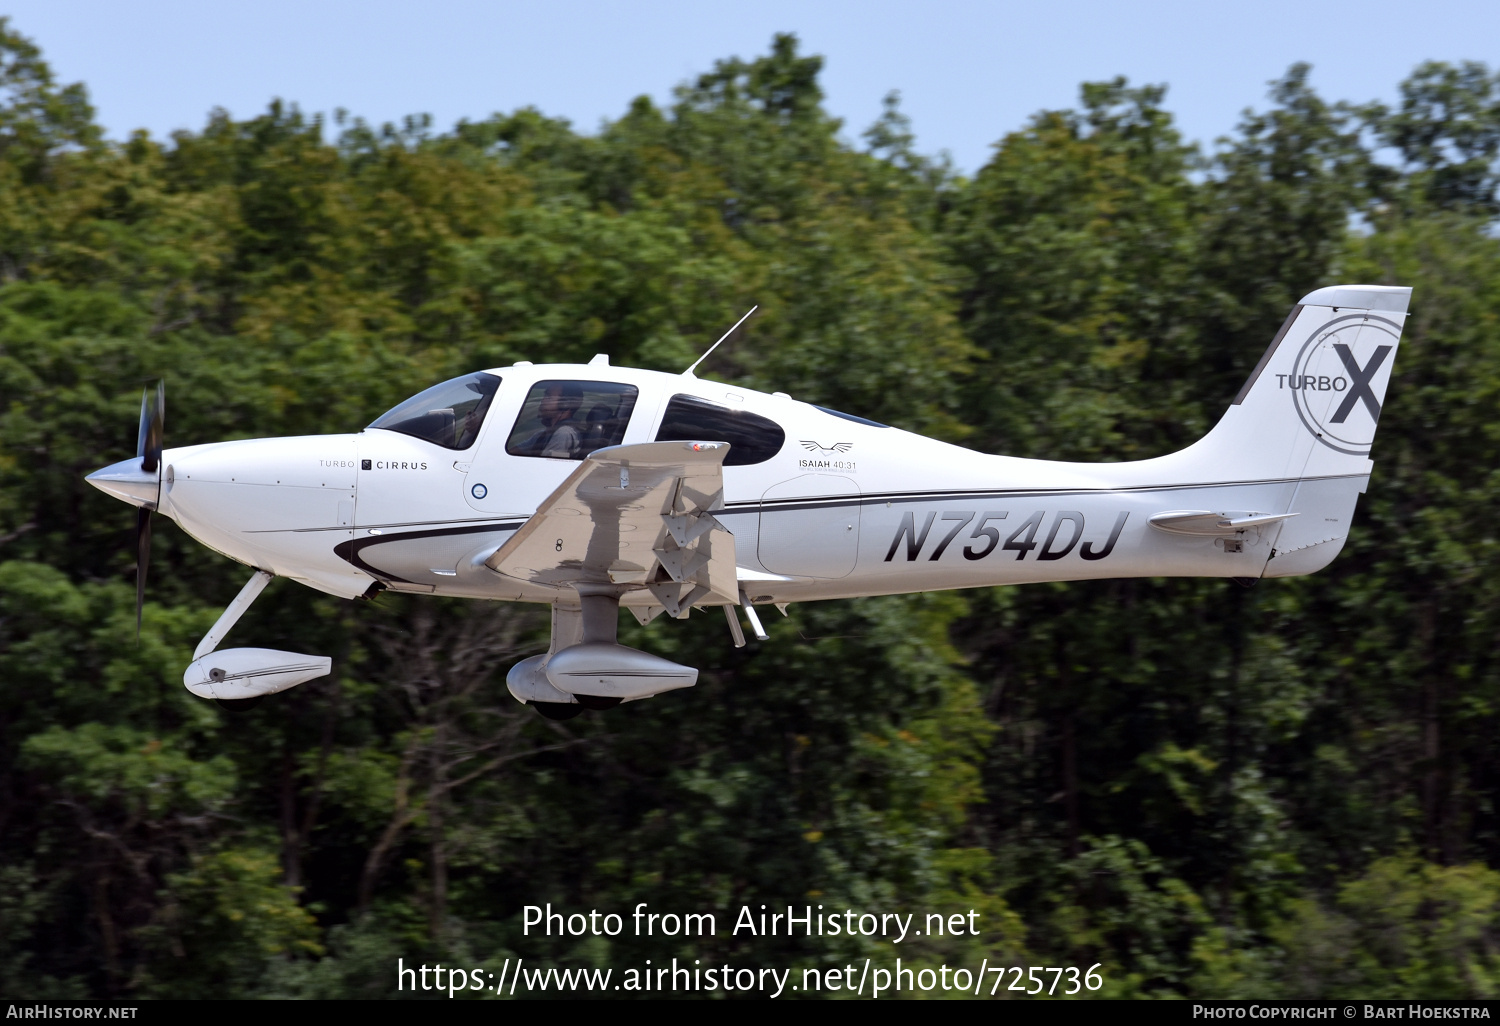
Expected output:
(388, 527)
(352, 550)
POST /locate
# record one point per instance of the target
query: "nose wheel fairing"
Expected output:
(235, 674)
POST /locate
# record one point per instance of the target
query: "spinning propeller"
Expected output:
(138, 482)
(148, 451)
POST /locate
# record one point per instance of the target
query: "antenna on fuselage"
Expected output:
(689, 372)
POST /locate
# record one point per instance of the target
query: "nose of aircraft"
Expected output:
(127, 482)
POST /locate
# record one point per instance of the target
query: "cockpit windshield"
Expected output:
(449, 414)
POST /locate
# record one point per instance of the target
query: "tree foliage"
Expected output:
(1210, 791)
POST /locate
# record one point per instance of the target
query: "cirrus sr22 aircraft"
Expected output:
(591, 487)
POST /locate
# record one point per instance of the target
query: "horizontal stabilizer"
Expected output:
(1207, 524)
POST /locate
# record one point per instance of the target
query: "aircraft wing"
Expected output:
(633, 515)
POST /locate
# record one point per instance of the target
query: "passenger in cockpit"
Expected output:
(600, 427)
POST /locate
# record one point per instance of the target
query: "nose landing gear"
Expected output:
(239, 678)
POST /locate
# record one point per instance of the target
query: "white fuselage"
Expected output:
(844, 508)
(589, 487)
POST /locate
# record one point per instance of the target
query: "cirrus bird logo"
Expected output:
(812, 446)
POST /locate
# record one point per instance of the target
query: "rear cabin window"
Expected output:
(849, 416)
(567, 420)
(751, 438)
(449, 414)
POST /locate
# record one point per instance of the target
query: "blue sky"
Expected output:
(968, 71)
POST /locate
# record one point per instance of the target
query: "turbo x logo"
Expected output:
(1338, 380)
(1361, 377)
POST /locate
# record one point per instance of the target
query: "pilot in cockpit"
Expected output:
(558, 437)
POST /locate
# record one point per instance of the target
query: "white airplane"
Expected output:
(590, 487)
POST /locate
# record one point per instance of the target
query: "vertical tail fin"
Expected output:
(1319, 388)
(1308, 415)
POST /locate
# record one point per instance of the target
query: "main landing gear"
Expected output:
(587, 668)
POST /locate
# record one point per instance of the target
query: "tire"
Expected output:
(239, 705)
(598, 702)
(558, 710)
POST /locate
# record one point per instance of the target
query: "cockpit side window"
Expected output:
(567, 420)
(449, 414)
(752, 438)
